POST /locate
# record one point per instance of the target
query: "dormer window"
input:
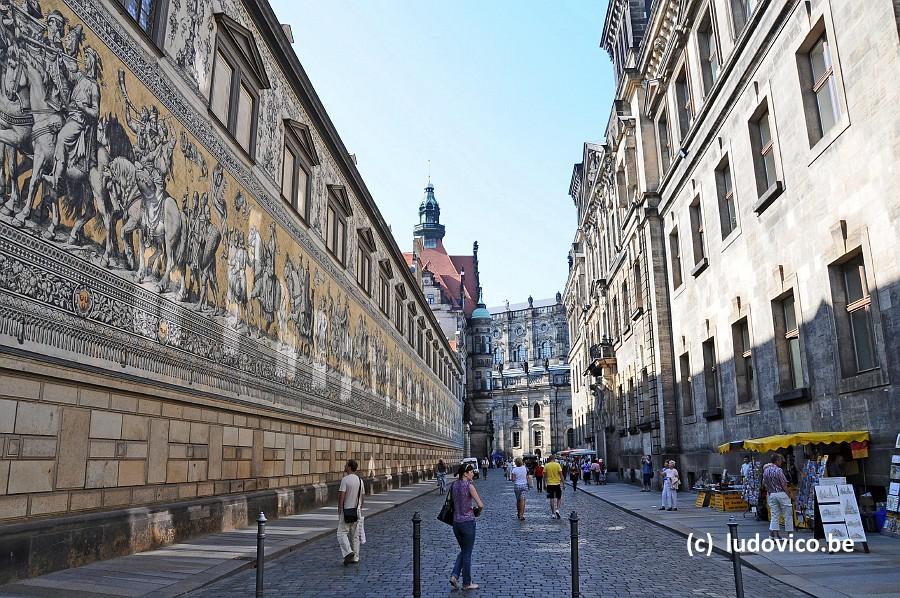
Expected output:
(339, 211)
(149, 16)
(364, 249)
(238, 78)
(298, 158)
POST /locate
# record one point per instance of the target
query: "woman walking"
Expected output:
(646, 473)
(464, 493)
(521, 485)
(574, 474)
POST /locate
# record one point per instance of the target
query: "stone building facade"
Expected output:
(773, 264)
(202, 311)
(522, 405)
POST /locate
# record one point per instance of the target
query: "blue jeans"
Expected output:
(465, 536)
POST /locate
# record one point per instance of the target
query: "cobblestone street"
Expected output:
(621, 555)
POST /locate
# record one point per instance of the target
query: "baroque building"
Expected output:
(766, 271)
(451, 286)
(522, 405)
(202, 311)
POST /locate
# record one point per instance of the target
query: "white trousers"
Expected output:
(780, 505)
(669, 496)
(348, 537)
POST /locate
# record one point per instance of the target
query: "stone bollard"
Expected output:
(735, 557)
(417, 555)
(573, 523)
(260, 552)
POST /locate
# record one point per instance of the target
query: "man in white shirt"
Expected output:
(746, 468)
(350, 502)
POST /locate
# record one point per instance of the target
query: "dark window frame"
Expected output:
(156, 33)
(725, 197)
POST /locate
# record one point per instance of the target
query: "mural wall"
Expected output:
(135, 241)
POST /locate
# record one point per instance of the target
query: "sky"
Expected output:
(500, 96)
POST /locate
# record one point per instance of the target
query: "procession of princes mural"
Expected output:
(94, 165)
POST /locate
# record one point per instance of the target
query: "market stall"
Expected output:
(827, 454)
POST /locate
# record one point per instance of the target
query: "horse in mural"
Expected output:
(29, 124)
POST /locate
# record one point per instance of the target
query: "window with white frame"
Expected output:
(763, 145)
(743, 362)
(697, 231)
(741, 11)
(709, 53)
(820, 87)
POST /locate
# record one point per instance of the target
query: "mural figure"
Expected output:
(204, 239)
(238, 259)
(193, 156)
(266, 289)
(299, 313)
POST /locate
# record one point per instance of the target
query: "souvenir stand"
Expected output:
(807, 475)
(891, 524)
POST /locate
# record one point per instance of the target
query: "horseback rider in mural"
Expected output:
(266, 289)
(76, 141)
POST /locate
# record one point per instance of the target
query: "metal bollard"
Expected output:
(735, 557)
(417, 555)
(573, 522)
(260, 552)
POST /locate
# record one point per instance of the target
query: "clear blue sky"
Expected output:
(500, 96)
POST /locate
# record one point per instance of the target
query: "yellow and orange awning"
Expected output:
(780, 441)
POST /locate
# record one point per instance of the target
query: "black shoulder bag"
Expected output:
(446, 514)
(352, 515)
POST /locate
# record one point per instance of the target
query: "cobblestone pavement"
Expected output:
(620, 555)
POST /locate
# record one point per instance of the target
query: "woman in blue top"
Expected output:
(464, 493)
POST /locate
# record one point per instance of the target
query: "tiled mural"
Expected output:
(135, 241)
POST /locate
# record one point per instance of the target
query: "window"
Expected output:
(675, 252)
(364, 269)
(664, 141)
(538, 438)
(398, 311)
(638, 288)
(709, 54)
(859, 314)
(521, 354)
(787, 343)
(516, 439)
(430, 298)
(683, 104)
(150, 17)
(336, 222)
(430, 243)
(743, 362)
(537, 411)
(384, 296)
(821, 88)
(515, 412)
(697, 232)
(763, 147)
(498, 355)
(238, 75)
(298, 158)
(615, 317)
(626, 302)
(546, 350)
(711, 377)
(570, 437)
(725, 194)
(684, 385)
(741, 11)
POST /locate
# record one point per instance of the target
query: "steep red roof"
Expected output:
(447, 273)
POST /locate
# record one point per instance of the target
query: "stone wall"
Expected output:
(80, 452)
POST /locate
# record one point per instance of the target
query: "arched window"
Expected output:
(521, 354)
(537, 410)
(546, 350)
(515, 412)
(498, 355)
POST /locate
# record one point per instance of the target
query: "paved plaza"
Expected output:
(621, 555)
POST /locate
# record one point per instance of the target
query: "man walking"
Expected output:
(778, 499)
(553, 475)
(350, 504)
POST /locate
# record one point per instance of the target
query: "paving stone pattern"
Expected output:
(620, 555)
